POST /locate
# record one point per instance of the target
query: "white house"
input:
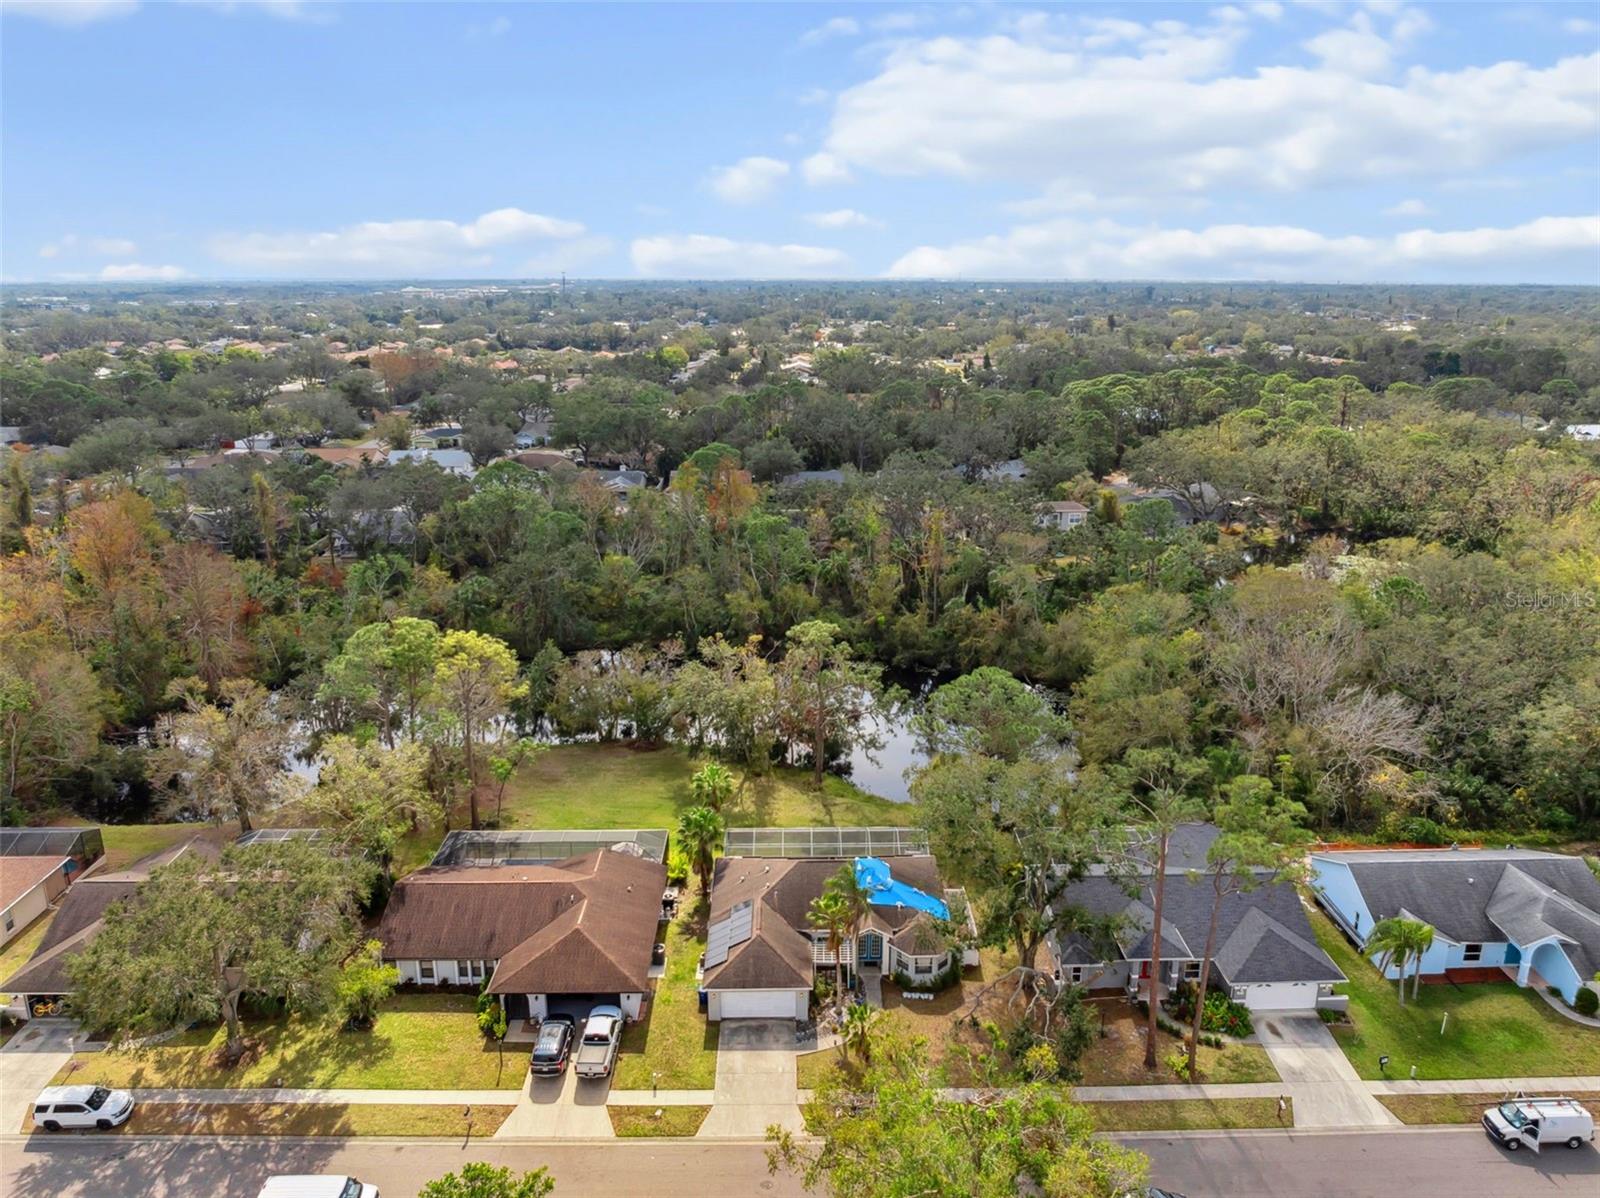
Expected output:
(1060, 514)
(28, 885)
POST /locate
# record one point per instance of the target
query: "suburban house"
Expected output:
(451, 461)
(28, 885)
(1060, 514)
(1265, 955)
(78, 919)
(348, 455)
(543, 919)
(762, 953)
(1520, 913)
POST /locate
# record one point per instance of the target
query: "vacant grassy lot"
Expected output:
(1496, 1029)
(1188, 1114)
(420, 1041)
(1117, 1057)
(642, 1121)
(304, 1119)
(1456, 1108)
(673, 1047)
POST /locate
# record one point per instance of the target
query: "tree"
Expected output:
(700, 832)
(855, 899)
(206, 602)
(711, 785)
(1397, 941)
(859, 1030)
(475, 682)
(504, 764)
(223, 760)
(367, 798)
(989, 711)
(364, 983)
(478, 1180)
(893, 1131)
(825, 693)
(273, 921)
(384, 671)
(1154, 784)
(1258, 844)
(50, 716)
(830, 914)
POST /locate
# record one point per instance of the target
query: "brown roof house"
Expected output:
(28, 885)
(78, 919)
(762, 952)
(580, 930)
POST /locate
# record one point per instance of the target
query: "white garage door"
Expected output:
(1281, 996)
(758, 1004)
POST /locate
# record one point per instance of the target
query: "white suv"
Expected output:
(61, 1107)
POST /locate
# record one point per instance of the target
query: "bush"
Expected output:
(936, 984)
(364, 983)
(1586, 1001)
(1220, 1014)
(491, 1016)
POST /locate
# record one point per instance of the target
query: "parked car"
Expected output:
(61, 1108)
(316, 1185)
(602, 1036)
(1538, 1123)
(553, 1047)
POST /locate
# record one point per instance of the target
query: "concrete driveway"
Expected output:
(1324, 1085)
(31, 1058)
(755, 1080)
(562, 1107)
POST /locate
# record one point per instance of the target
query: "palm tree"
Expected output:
(700, 831)
(1397, 941)
(712, 785)
(831, 914)
(859, 1030)
(856, 899)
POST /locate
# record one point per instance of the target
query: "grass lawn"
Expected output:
(420, 1041)
(642, 1121)
(21, 948)
(1456, 1108)
(1188, 1114)
(1117, 1058)
(304, 1119)
(673, 1046)
(1496, 1029)
(127, 843)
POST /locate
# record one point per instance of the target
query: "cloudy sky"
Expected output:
(1310, 141)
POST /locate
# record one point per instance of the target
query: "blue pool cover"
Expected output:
(873, 875)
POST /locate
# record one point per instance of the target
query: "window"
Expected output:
(463, 971)
(425, 971)
(1077, 974)
(1191, 971)
(922, 965)
(1471, 952)
(1238, 994)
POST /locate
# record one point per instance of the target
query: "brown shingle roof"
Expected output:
(18, 875)
(778, 953)
(581, 925)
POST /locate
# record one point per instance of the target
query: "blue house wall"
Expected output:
(1551, 964)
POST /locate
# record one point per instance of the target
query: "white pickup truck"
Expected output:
(1538, 1123)
(602, 1036)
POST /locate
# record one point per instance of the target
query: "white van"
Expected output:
(316, 1185)
(62, 1108)
(1538, 1123)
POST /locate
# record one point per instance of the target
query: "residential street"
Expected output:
(1419, 1163)
(157, 1167)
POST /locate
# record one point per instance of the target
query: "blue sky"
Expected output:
(1314, 141)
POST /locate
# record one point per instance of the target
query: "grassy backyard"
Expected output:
(425, 1041)
(21, 948)
(127, 843)
(629, 1121)
(1456, 1108)
(306, 1119)
(673, 1047)
(1496, 1029)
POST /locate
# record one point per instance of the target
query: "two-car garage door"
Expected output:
(757, 1004)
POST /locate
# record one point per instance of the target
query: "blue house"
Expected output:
(1535, 916)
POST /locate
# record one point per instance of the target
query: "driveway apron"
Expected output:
(1324, 1085)
(756, 1080)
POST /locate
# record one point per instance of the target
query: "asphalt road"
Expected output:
(1395, 1164)
(1402, 1163)
(87, 1166)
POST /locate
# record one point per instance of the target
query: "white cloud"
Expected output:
(1556, 247)
(843, 218)
(110, 247)
(498, 27)
(1580, 26)
(71, 13)
(748, 180)
(1407, 208)
(1161, 109)
(392, 247)
(829, 29)
(118, 271)
(823, 168)
(700, 256)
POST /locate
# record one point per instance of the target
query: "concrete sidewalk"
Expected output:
(1487, 1085)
